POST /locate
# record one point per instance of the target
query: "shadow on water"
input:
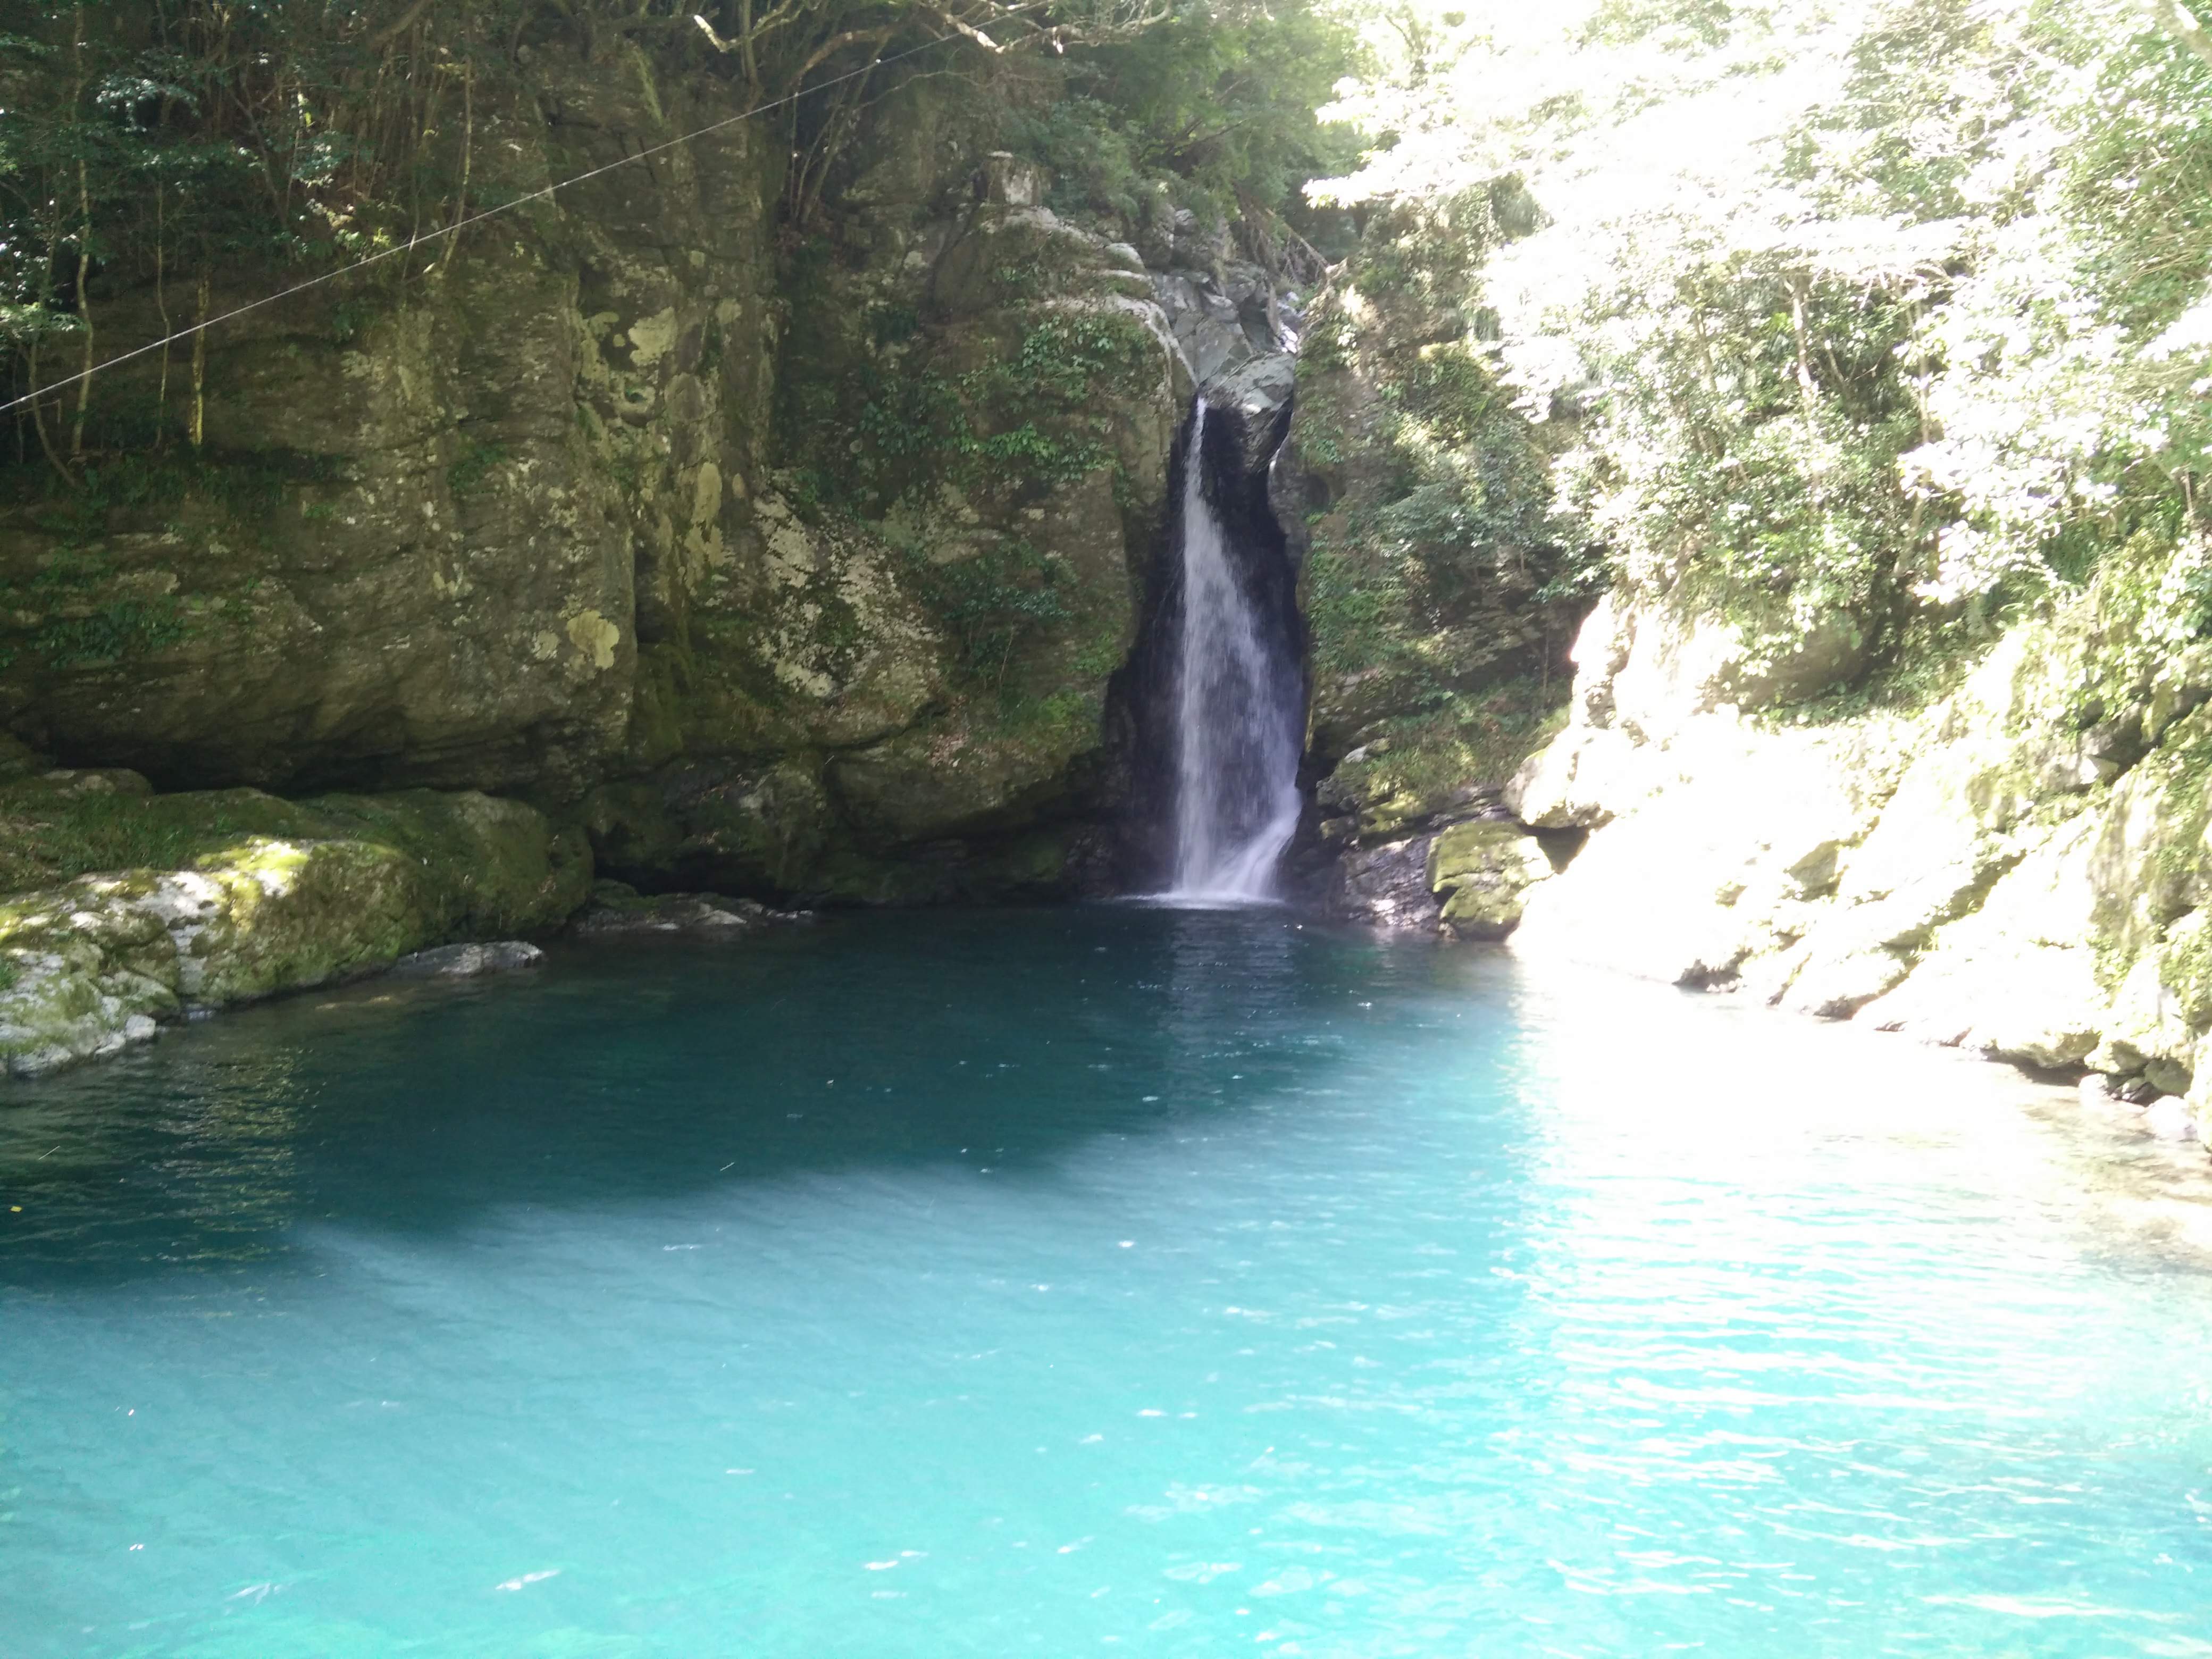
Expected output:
(632, 1071)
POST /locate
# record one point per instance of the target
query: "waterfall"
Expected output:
(1237, 714)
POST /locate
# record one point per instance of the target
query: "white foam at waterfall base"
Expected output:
(1236, 717)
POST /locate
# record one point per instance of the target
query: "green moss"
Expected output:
(77, 607)
(1423, 761)
(495, 867)
(473, 462)
(492, 866)
(53, 831)
(304, 914)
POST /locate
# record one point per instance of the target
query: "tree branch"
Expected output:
(967, 29)
(2179, 22)
(407, 19)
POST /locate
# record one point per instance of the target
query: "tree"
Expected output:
(1874, 320)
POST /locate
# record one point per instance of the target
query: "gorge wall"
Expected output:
(529, 525)
(639, 535)
(697, 553)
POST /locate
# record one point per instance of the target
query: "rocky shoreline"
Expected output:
(258, 896)
(1990, 873)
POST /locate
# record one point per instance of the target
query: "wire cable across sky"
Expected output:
(424, 239)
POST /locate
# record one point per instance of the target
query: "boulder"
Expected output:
(1258, 394)
(226, 896)
(1482, 871)
(1386, 886)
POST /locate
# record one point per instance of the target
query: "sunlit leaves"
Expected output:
(1863, 306)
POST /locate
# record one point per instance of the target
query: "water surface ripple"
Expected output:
(1167, 1281)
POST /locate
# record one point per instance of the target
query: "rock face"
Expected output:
(428, 526)
(1438, 591)
(793, 566)
(1385, 885)
(1222, 313)
(2020, 869)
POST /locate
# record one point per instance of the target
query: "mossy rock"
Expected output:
(1483, 871)
(228, 896)
(494, 868)
(63, 824)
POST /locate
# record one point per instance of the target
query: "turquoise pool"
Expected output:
(1112, 1280)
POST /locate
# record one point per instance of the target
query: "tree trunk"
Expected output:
(199, 361)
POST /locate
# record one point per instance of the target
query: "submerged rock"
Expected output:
(466, 960)
(2170, 1120)
(618, 908)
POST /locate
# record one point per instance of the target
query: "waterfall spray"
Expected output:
(1237, 715)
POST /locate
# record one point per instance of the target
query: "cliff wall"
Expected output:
(684, 538)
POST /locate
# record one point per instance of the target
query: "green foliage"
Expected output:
(1881, 327)
(990, 601)
(1017, 425)
(474, 462)
(120, 629)
(917, 440)
(1419, 761)
(1443, 524)
(1214, 109)
(150, 147)
(1092, 155)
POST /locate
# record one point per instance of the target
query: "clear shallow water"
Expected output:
(1184, 1283)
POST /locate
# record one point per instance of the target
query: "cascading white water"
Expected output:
(1237, 716)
